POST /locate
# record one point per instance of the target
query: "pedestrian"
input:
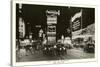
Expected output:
(28, 46)
(22, 52)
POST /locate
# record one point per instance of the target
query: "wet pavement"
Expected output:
(75, 53)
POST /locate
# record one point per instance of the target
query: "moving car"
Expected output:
(48, 50)
(68, 43)
(60, 49)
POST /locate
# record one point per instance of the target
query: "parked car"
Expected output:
(76, 45)
(89, 47)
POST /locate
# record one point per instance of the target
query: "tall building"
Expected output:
(21, 23)
(51, 25)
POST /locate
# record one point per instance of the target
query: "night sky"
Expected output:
(36, 15)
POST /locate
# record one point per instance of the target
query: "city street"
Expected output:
(37, 26)
(75, 53)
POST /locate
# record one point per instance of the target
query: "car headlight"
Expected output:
(60, 48)
(64, 48)
(49, 48)
(45, 48)
(55, 46)
(90, 46)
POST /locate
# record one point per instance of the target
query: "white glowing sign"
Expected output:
(21, 28)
